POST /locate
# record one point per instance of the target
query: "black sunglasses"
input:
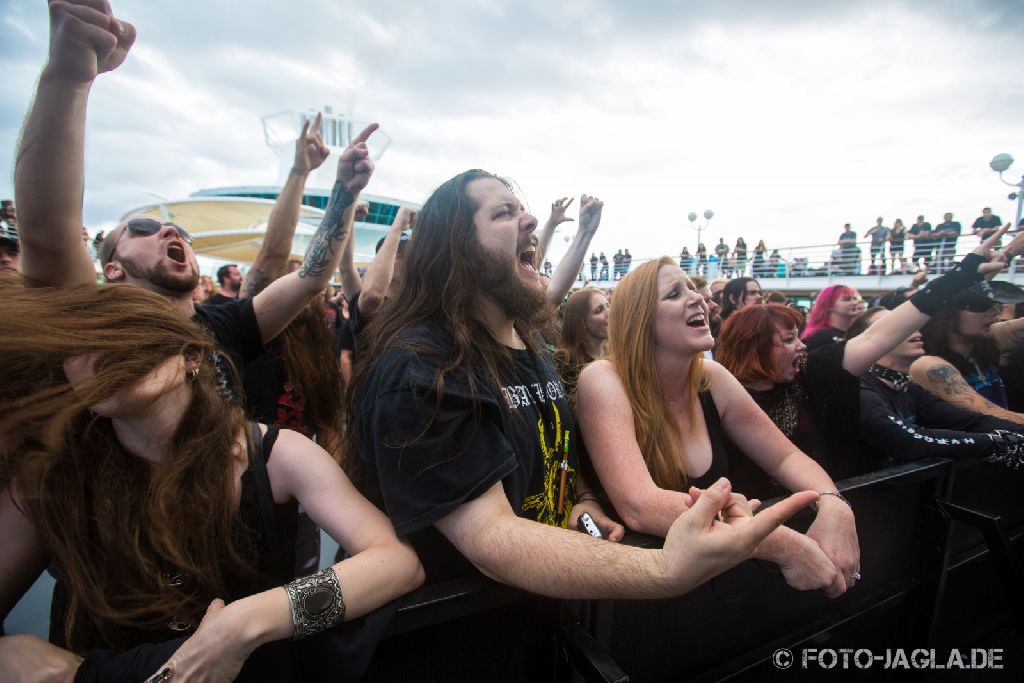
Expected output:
(151, 226)
(979, 305)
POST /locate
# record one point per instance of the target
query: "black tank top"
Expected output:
(719, 459)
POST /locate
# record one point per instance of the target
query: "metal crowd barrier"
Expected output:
(940, 544)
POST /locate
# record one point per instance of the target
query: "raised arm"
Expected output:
(569, 266)
(889, 332)
(556, 562)
(557, 217)
(382, 268)
(49, 172)
(271, 261)
(380, 567)
(351, 282)
(285, 298)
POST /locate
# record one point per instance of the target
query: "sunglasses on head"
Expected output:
(151, 226)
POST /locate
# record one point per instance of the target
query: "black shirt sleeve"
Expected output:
(903, 438)
(345, 341)
(234, 326)
(430, 453)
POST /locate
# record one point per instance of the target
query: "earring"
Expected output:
(192, 373)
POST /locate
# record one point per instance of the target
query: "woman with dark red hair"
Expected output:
(813, 398)
(833, 311)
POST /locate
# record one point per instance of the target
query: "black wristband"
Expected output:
(933, 296)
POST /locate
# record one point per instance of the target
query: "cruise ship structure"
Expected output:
(228, 223)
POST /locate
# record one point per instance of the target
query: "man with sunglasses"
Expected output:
(85, 41)
(964, 343)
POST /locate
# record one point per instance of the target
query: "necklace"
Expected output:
(898, 380)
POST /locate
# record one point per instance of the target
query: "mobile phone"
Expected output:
(587, 525)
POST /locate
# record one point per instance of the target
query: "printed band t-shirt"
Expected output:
(428, 453)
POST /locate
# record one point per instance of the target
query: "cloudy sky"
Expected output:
(786, 118)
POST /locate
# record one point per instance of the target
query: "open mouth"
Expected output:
(528, 257)
(696, 320)
(176, 252)
(799, 362)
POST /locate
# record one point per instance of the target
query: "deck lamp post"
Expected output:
(1000, 163)
(692, 217)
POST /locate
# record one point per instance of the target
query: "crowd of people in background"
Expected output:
(173, 444)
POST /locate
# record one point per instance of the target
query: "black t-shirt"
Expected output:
(345, 340)
(237, 333)
(952, 227)
(921, 234)
(428, 453)
(989, 223)
(823, 337)
(216, 299)
(848, 235)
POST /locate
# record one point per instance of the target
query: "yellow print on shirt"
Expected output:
(543, 506)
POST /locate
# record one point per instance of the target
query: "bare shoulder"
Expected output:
(724, 386)
(600, 394)
(600, 375)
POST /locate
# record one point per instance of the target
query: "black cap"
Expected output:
(983, 293)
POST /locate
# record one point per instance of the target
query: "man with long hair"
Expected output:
(142, 250)
(964, 343)
(462, 426)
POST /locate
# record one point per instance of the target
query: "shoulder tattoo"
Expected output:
(952, 384)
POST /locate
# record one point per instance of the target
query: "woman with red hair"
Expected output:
(834, 309)
(813, 398)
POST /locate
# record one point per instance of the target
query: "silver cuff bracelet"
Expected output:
(317, 603)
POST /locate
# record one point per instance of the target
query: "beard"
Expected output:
(162, 280)
(499, 281)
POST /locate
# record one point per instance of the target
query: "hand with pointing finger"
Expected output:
(355, 165)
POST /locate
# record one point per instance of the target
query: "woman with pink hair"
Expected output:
(833, 311)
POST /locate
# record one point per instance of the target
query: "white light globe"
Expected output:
(692, 216)
(1001, 162)
(709, 214)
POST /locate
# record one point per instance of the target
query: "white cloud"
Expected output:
(788, 119)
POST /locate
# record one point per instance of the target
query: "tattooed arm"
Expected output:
(946, 382)
(280, 302)
(272, 260)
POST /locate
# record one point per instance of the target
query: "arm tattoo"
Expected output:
(952, 384)
(331, 231)
(255, 282)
